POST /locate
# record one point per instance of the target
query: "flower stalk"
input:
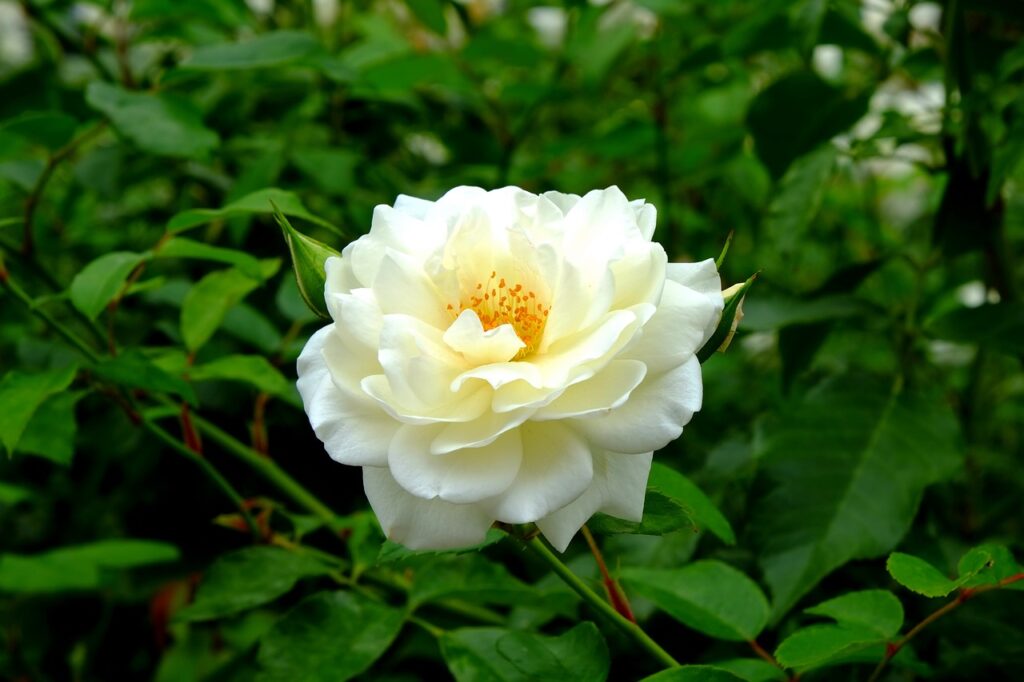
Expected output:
(628, 627)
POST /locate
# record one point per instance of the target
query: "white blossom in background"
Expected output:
(325, 12)
(550, 24)
(260, 7)
(15, 39)
(428, 147)
(506, 356)
(828, 61)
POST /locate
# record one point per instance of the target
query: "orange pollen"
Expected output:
(515, 306)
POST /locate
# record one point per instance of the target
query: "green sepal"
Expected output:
(308, 259)
(723, 333)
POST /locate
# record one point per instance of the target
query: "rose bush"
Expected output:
(501, 355)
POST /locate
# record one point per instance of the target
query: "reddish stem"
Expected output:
(616, 596)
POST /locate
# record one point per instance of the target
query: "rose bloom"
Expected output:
(506, 356)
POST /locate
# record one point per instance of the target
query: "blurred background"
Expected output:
(866, 156)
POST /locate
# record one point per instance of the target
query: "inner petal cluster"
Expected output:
(497, 302)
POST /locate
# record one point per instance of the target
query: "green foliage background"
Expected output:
(867, 157)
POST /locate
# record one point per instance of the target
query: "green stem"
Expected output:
(269, 470)
(207, 468)
(254, 459)
(629, 628)
(65, 333)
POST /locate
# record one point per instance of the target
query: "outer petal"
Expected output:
(352, 432)
(619, 487)
(422, 524)
(704, 279)
(557, 468)
(462, 476)
(678, 328)
(652, 417)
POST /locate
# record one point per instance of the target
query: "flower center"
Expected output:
(497, 302)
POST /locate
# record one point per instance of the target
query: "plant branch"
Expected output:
(36, 193)
(964, 596)
(208, 468)
(629, 628)
(611, 586)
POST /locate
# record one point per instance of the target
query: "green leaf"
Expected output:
(708, 596)
(101, 280)
(182, 247)
(277, 48)
(701, 509)
(51, 431)
(725, 324)
(752, 670)
(22, 394)
(798, 112)
(695, 673)
(134, 370)
(331, 636)
(51, 129)
(251, 369)
(261, 201)
(247, 578)
(308, 261)
(210, 299)
(78, 568)
(995, 325)
(798, 199)
(987, 565)
(499, 655)
(661, 515)
(12, 495)
(431, 13)
(819, 645)
(470, 576)
(846, 466)
(765, 314)
(917, 575)
(876, 610)
(162, 124)
(331, 169)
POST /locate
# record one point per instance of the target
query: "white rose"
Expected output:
(506, 356)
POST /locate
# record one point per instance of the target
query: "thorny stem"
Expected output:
(965, 595)
(629, 628)
(611, 586)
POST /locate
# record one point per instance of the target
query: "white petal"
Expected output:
(339, 277)
(678, 328)
(401, 287)
(480, 347)
(646, 217)
(422, 524)
(704, 279)
(618, 488)
(606, 390)
(564, 202)
(463, 476)
(478, 432)
(557, 467)
(654, 415)
(413, 206)
(419, 365)
(353, 432)
(639, 275)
